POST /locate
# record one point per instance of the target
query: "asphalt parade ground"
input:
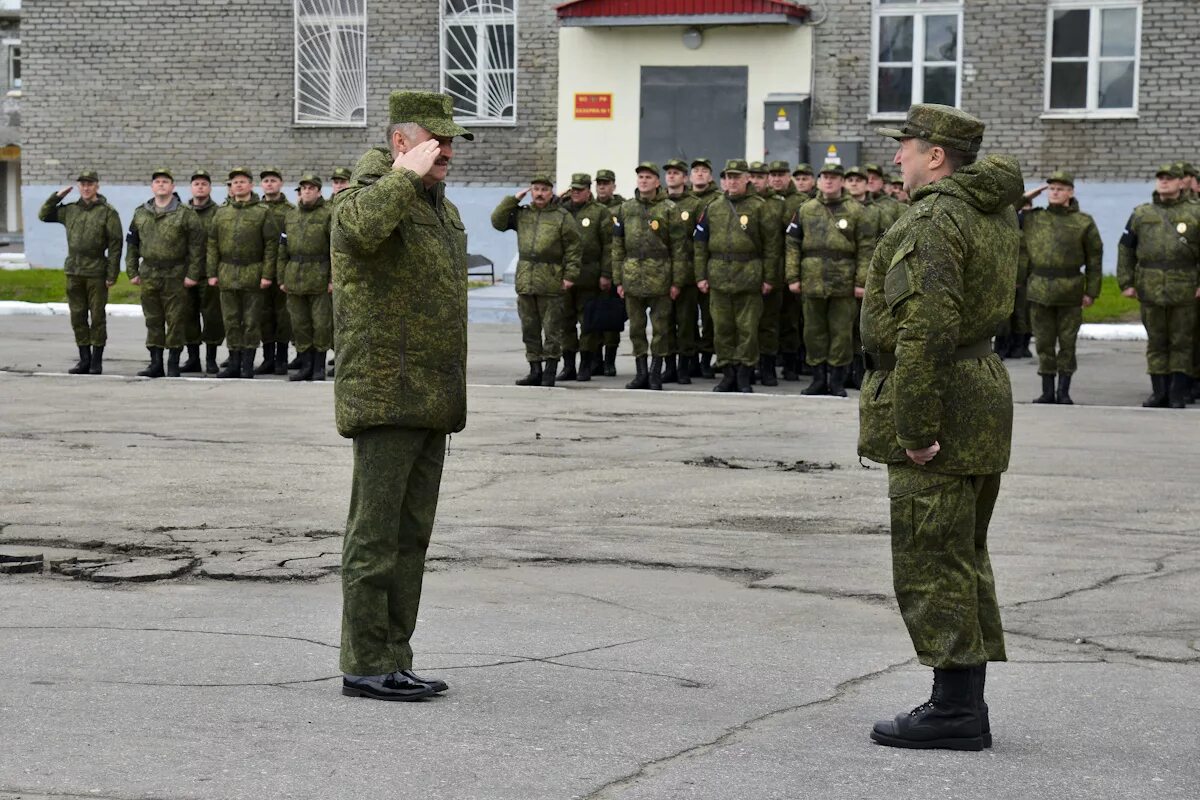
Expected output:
(632, 594)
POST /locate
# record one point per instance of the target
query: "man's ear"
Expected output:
(937, 157)
(398, 142)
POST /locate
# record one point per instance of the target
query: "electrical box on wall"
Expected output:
(844, 153)
(785, 127)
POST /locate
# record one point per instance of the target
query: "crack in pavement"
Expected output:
(1128, 652)
(168, 630)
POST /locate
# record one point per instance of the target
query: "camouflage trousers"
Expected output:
(202, 315)
(241, 311)
(163, 307)
(541, 326)
(393, 501)
(1055, 326)
(275, 324)
(683, 333)
(86, 299)
(658, 309)
(706, 323)
(737, 318)
(790, 321)
(940, 565)
(829, 330)
(770, 322)
(1170, 333)
(312, 321)
(574, 300)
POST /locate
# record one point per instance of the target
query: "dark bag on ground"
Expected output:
(604, 313)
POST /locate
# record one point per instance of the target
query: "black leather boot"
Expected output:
(1181, 388)
(598, 362)
(1024, 351)
(84, 364)
(248, 370)
(210, 359)
(233, 366)
(728, 381)
(1047, 395)
(837, 381)
(534, 378)
(173, 362)
(766, 366)
(706, 368)
(305, 371)
(297, 362)
(979, 675)
(949, 720)
(642, 379)
(789, 367)
(267, 367)
(281, 360)
(548, 371)
(655, 379)
(685, 370)
(568, 371)
(586, 361)
(1064, 390)
(820, 381)
(193, 360)
(610, 361)
(155, 369)
(745, 375)
(670, 373)
(97, 361)
(318, 365)
(694, 367)
(1158, 395)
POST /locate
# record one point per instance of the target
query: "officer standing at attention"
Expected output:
(606, 184)
(684, 328)
(878, 218)
(791, 344)
(340, 179)
(1158, 262)
(1059, 239)
(704, 189)
(805, 183)
(936, 408)
(165, 243)
(890, 209)
(649, 258)
(595, 275)
(769, 323)
(203, 306)
(276, 325)
(303, 268)
(548, 255)
(92, 266)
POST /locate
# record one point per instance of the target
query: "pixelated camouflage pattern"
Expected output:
(548, 244)
(164, 242)
(93, 236)
(1158, 260)
(754, 245)
(595, 242)
(829, 259)
(649, 246)
(1058, 241)
(399, 303)
(303, 262)
(1055, 330)
(890, 210)
(687, 210)
(942, 278)
(613, 202)
(279, 206)
(205, 214)
(243, 243)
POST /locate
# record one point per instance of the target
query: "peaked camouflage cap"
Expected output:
(896, 179)
(605, 175)
(802, 169)
(341, 174)
(311, 177)
(581, 180)
(1061, 176)
(542, 177)
(648, 166)
(88, 175)
(779, 166)
(675, 163)
(200, 173)
(431, 110)
(758, 168)
(855, 172)
(240, 171)
(833, 169)
(1189, 169)
(1170, 170)
(939, 124)
(873, 168)
(702, 162)
(278, 173)
(734, 166)
(162, 171)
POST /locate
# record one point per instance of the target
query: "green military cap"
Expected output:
(162, 171)
(341, 173)
(88, 175)
(802, 169)
(1189, 169)
(200, 173)
(734, 166)
(832, 169)
(702, 162)
(675, 163)
(541, 178)
(432, 111)
(855, 171)
(606, 175)
(758, 168)
(581, 180)
(1170, 170)
(938, 124)
(779, 166)
(896, 179)
(869, 168)
(271, 171)
(311, 177)
(240, 171)
(1061, 176)
(648, 166)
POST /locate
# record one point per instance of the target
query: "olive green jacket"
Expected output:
(687, 211)
(890, 210)
(940, 283)
(303, 263)
(399, 302)
(280, 207)
(613, 202)
(649, 246)
(205, 214)
(548, 249)
(736, 242)
(829, 247)
(93, 236)
(167, 242)
(1159, 253)
(243, 243)
(595, 242)
(1058, 241)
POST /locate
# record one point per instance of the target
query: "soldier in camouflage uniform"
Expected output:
(791, 343)
(878, 218)
(804, 180)
(705, 190)
(243, 243)
(829, 243)
(1192, 180)
(684, 329)
(595, 275)
(276, 325)
(890, 209)
(1059, 239)
(92, 266)
(202, 303)
(606, 184)
(936, 408)
(896, 185)
(165, 243)
(400, 318)
(649, 259)
(772, 304)
(548, 252)
(303, 269)
(340, 179)
(1158, 262)
(737, 247)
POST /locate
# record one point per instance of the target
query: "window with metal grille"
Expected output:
(331, 62)
(479, 59)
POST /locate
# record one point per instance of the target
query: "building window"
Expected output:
(331, 62)
(1093, 48)
(479, 59)
(916, 54)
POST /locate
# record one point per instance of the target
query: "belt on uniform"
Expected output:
(149, 264)
(1143, 265)
(741, 257)
(887, 361)
(824, 252)
(1051, 272)
(240, 262)
(309, 259)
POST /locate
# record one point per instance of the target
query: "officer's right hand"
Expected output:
(1032, 193)
(794, 287)
(136, 281)
(212, 281)
(1130, 292)
(420, 158)
(521, 194)
(189, 283)
(64, 192)
(702, 286)
(620, 291)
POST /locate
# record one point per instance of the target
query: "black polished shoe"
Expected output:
(438, 686)
(401, 686)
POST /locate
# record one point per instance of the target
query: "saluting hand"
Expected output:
(924, 455)
(419, 158)
(521, 194)
(64, 192)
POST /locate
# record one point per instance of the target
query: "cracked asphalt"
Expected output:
(632, 594)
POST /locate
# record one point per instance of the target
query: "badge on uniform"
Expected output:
(843, 224)
(586, 222)
(684, 216)
(653, 224)
(1181, 227)
(744, 220)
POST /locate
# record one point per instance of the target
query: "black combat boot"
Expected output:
(173, 362)
(1000, 345)
(97, 361)
(297, 362)
(84, 364)
(281, 361)
(802, 367)
(949, 720)
(642, 379)
(745, 377)
(694, 367)
(1047, 395)
(706, 369)
(858, 369)
(610, 361)
(267, 367)
(586, 361)
(728, 379)
(1025, 352)
(1158, 397)
(789, 367)
(210, 359)
(568, 371)
(655, 379)
(155, 369)
(1181, 389)
(685, 370)
(766, 366)
(979, 676)
(820, 381)
(233, 365)
(318, 365)
(247, 370)
(305, 371)
(837, 381)
(548, 371)
(534, 378)
(1064, 390)
(670, 372)
(193, 360)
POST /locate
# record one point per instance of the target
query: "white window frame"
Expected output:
(1092, 111)
(481, 21)
(918, 10)
(332, 20)
(9, 46)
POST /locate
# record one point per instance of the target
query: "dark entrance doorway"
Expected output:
(693, 112)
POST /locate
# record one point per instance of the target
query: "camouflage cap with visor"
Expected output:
(310, 177)
(735, 166)
(873, 169)
(543, 178)
(1170, 170)
(1061, 176)
(675, 163)
(233, 173)
(648, 166)
(581, 180)
(802, 169)
(88, 175)
(776, 167)
(702, 162)
(830, 168)
(603, 175)
(431, 110)
(202, 174)
(1189, 169)
(341, 174)
(278, 173)
(941, 125)
(855, 172)
(164, 171)
(758, 168)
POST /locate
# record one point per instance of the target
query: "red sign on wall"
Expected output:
(593, 106)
